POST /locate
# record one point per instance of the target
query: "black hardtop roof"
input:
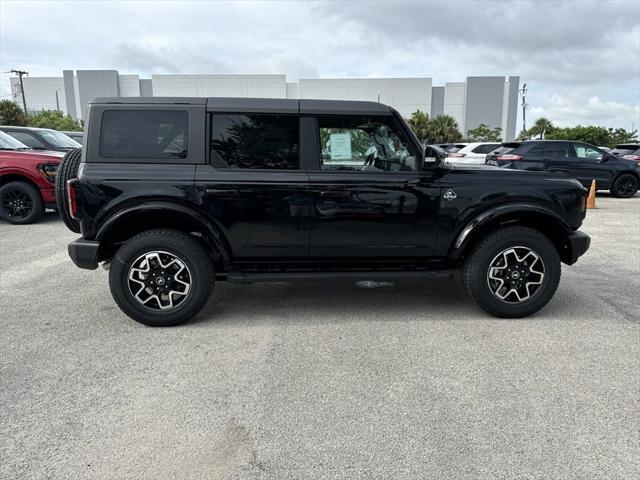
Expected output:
(259, 105)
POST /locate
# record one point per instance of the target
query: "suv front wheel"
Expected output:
(161, 277)
(513, 272)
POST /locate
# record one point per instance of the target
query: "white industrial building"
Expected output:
(489, 100)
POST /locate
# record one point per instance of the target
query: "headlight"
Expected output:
(49, 171)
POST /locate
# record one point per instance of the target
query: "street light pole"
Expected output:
(523, 94)
(57, 102)
(20, 73)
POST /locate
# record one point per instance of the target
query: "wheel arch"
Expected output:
(625, 172)
(18, 177)
(537, 217)
(129, 221)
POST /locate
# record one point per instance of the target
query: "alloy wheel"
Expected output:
(159, 280)
(515, 274)
(17, 204)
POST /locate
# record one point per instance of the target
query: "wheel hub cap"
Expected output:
(159, 280)
(515, 274)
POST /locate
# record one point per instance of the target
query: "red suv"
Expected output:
(27, 181)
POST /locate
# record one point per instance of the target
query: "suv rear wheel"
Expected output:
(20, 203)
(625, 186)
(513, 272)
(161, 277)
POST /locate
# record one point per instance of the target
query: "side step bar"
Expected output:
(256, 277)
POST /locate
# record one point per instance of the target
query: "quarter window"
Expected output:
(255, 141)
(161, 134)
(364, 144)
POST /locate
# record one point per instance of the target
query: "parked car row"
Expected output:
(617, 170)
(27, 180)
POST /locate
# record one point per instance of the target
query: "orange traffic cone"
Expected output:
(591, 199)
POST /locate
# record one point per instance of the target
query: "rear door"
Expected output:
(371, 196)
(253, 188)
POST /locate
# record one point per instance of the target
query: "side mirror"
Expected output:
(433, 156)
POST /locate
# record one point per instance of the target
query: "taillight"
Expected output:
(49, 170)
(632, 157)
(73, 198)
(508, 157)
(457, 154)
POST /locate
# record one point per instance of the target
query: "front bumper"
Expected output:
(84, 253)
(578, 244)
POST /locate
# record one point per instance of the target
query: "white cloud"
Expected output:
(558, 48)
(580, 107)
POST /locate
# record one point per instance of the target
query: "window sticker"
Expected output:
(340, 146)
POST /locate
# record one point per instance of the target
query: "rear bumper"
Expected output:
(84, 253)
(578, 243)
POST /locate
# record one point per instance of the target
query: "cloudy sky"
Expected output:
(580, 59)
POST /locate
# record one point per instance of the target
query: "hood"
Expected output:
(42, 155)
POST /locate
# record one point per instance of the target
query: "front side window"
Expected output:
(587, 153)
(156, 134)
(364, 144)
(255, 141)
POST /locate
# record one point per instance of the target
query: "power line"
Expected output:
(20, 73)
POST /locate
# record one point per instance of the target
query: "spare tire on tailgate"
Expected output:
(67, 170)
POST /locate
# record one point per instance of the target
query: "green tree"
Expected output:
(420, 124)
(589, 134)
(484, 133)
(620, 135)
(540, 128)
(11, 114)
(55, 120)
(443, 129)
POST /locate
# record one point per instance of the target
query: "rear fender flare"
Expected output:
(209, 229)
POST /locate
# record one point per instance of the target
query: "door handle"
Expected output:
(219, 191)
(413, 181)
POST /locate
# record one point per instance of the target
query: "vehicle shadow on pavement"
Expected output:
(339, 301)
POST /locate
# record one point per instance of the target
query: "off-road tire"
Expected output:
(476, 269)
(185, 247)
(67, 170)
(29, 194)
(625, 186)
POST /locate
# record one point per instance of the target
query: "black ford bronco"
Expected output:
(174, 194)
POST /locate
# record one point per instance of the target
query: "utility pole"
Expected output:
(523, 94)
(57, 101)
(20, 73)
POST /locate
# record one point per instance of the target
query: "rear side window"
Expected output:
(486, 148)
(161, 134)
(551, 151)
(255, 141)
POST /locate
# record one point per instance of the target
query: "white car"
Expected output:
(472, 153)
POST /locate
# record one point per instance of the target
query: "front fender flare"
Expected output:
(476, 223)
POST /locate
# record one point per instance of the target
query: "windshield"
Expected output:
(58, 139)
(7, 142)
(621, 150)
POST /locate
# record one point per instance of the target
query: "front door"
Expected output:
(588, 166)
(253, 188)
(371, 196)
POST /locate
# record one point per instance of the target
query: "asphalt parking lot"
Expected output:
(321, 381)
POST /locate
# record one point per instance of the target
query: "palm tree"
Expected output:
(420, 123)
(444, 129)
(540, 127)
